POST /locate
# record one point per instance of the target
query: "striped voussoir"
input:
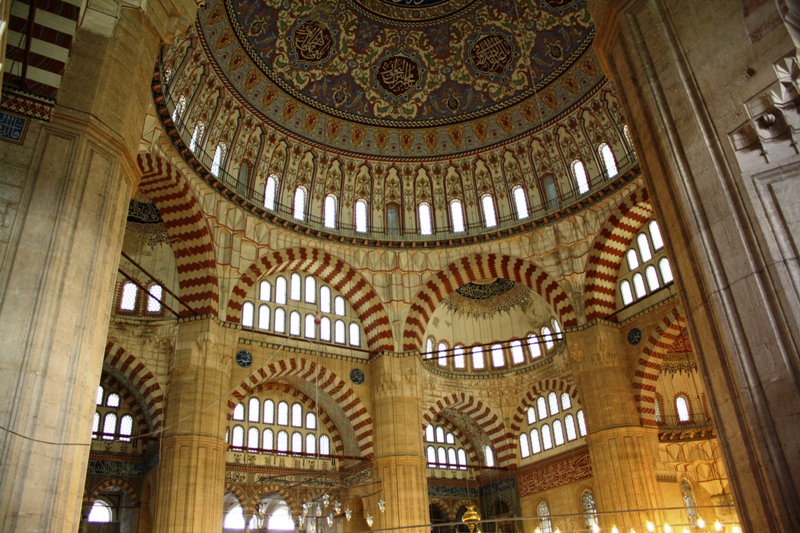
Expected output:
(478, 267)
(332, 270)
(311, 407)
(284, 494)
(239, 494)
(529, 399)
(90, 497)
(190, 236)
(112, 384)
(607, 251)
(330, 384)
(481, 415)
(137, 378)
(649, 364)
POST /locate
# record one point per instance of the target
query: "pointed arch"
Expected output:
(357, 418)
(90, 497)
(529, 399)
(285, 495)
(649, 364)
(607, 251)
(111, 383)
(138, 379)
(443, 507)
(476, 267)
(332, 270)
(239, 494)
(482, 417)
(189, 234)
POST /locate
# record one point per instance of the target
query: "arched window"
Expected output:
(283, 441)
(450, 438)
(311, 443)
(477, 357)
(95, 425)
(442, 354)
(429, 433)
(497, 356)
(237, 440)
(632, 259)
(517, 354)
(311, 290)
(296, 287)
(219, 158)
(361, 215)
(655, 235)
(541, 407)
(548, 338)
(99, 397)
(531, 415)
(324, 445)
(625, 292)
(299, 211)
(180, 109)
(608, 160)
(589, 509)
(263, 317)
(558, 432)
(552, 401)
(125, 428)
(430, 452)
(265, 291)
(109, 426)
(112, 400)
(355, 334)
(533, 346)
(657, 409)
(579, 173)
(682, 408)
(280, 320)
(462, 459)
(489, 215)
(393, 219)
(128, 300)
(457, 216)
(269, 412)
(248, 310)
(545, 524)
(339, 332)
(458, 357)
(666, 271)
(310, 327)
(652, 278)
(536, 445)
(439, 434)
(550, 192)
(487, 451)
(252, 438)
(581, 424)
(270, 192)
(283, 414)
(280, 290)
(569, 424)
(425, 223)
(268, 440)
(297, 442)
(325, 329)
(238, 412)
(451, 457)
(566, 402)
(311, 421)
(100, 512)
(520, 202)
(197, 135)
(253, 409)
(547, 438)
(338, 306)
(644, 247)
(325, 299)
(294, 323)
(330, 211)
(524, 447)
(441, 457)
(638, 286)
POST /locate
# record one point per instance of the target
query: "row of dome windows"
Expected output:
(647, 271)
(265, 441)
(283, 419)
(107, 424)
(280, 414)
(498, 351)
(683, 409)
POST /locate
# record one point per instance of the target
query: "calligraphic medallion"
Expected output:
(492, 54)
(311, 42)
(397, 75)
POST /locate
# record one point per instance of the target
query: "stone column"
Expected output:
(191, 469)
(64, 201)
(725, 190)
(397, 437)
(623, 453)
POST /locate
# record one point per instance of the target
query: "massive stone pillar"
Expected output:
(191, 469)
(397, 436)
(623, 452)
(63, 199)
(724, 173)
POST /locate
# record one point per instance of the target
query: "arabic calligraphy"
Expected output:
(312, 41)
(397, 75)
(491, 54)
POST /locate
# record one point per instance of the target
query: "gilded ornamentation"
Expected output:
(312, 42)
(398, 75)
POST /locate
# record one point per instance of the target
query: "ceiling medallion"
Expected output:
(491, 54)
(397, 75)
(244, 358)
(635, 336)
(312, 42)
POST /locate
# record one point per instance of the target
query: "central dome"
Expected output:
(404, 77)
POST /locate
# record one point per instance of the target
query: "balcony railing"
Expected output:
(695, 421)
(566, 199)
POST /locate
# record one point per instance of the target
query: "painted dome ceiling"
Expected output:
(404, 77)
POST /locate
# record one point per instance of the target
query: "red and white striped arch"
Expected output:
(449, 427)
(191, 238)
(90, 497)
(477, 267)
(483, 419)
(529, 399)
(607, 251)
(649, 365)
(110, 383)
(137, 378)
(333, 271)
(354, 410)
